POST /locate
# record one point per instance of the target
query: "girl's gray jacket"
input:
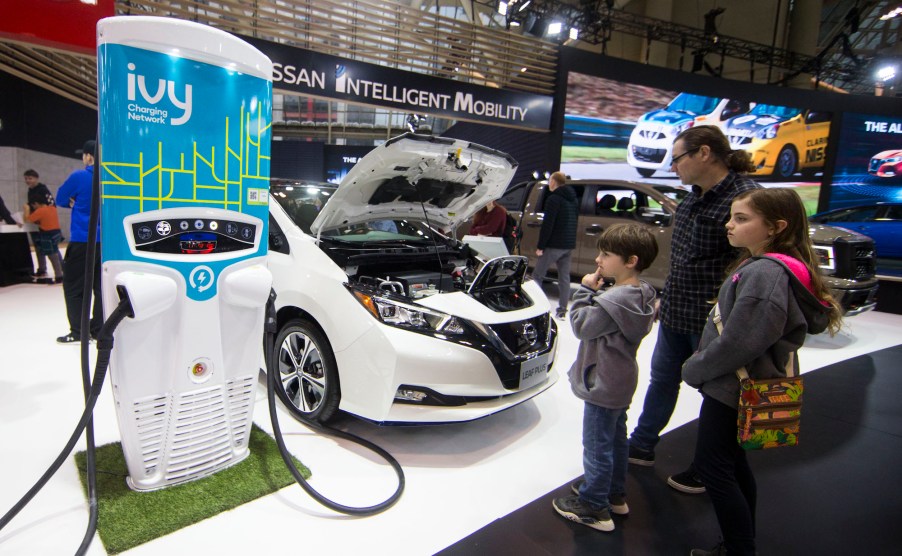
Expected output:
(766, 313)
(609, 325)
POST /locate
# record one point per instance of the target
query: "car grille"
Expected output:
(855, 258)
(525, 336)
(646, 154)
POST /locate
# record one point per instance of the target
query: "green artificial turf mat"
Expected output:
(127, 518)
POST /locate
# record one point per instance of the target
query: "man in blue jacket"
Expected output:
(75, 193)
(557, 238)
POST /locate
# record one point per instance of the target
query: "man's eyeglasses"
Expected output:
(676, 159)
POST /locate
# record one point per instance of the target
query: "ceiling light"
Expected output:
(554, 28)
(886, 73)
(891, 14)
(502, 8)
(574, 33)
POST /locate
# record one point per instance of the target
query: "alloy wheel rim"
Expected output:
(301, 372)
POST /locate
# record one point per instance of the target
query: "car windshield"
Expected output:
(781, 112)
(303, 201)
(693, 104)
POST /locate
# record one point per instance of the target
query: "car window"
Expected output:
(580, 191)
(815, 117)
(893, 212)
(779, 112)
(620, 203)
(734, 108)
(695, 105)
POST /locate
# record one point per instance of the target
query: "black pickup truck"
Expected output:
(847, 259)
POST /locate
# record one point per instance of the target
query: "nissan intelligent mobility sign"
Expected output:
(309, 73)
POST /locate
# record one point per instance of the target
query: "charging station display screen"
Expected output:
(198, 236)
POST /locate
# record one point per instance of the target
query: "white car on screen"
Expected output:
(651, 141)
(382, 316)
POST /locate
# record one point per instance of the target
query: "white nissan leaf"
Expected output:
(382, 315)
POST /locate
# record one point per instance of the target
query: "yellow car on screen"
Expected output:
(782, 140)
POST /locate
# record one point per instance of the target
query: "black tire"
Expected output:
(306, 373)
(787, 163)
(646, 172)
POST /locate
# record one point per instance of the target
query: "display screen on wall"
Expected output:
(339, 159)
(618, 130)
(868, 166)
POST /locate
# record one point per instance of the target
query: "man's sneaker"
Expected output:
(44, 280)
(718, 550)
(69, 338)
(560, 313)
(617, 501)
(576, 510)
(641, 457)
(687, 482)
(39, 274)
(58, 280)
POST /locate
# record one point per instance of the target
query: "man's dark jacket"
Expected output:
(559, 223)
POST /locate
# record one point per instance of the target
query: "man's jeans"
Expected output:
(561, 260)
(605, 454)
(671, 351)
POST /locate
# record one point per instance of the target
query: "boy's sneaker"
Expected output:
(39, 274)
(576, 510)
(687, 482)
(641, 457)
(69, 338)
(58, 280)
(617, 501)
(44, 280)
(560, 313)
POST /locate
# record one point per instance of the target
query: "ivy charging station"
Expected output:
(185, 130)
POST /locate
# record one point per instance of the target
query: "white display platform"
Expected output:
(459, 477)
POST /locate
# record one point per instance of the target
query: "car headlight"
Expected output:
(892, 160)
(768, 132)
(825, 258)
(404, 315)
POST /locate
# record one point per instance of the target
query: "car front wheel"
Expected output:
(646, 172)
(787, 161)
(307, 376)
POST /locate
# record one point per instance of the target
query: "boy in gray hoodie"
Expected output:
(610, 325)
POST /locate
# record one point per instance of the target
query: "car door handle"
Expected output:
(534, 224)
(594, 229)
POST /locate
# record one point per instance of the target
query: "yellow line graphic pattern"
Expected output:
(229, 170)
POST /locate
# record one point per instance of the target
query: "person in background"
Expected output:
(699, 256)
(47, 238)
(38, 192)
(772, 297)
(489, 220)
(557, 237)
(75, 193)
(5, 214)
(609, 325)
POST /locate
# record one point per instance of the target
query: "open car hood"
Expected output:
(450, 178)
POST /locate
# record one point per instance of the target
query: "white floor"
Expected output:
(459, 477)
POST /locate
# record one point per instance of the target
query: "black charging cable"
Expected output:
(104, 347)
(271, 327)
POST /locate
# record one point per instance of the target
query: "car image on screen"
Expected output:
(886, 164)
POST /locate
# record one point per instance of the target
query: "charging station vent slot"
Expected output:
(151, 415)
(241, 401)
(201, 436)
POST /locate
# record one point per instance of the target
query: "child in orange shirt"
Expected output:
(48, 238)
